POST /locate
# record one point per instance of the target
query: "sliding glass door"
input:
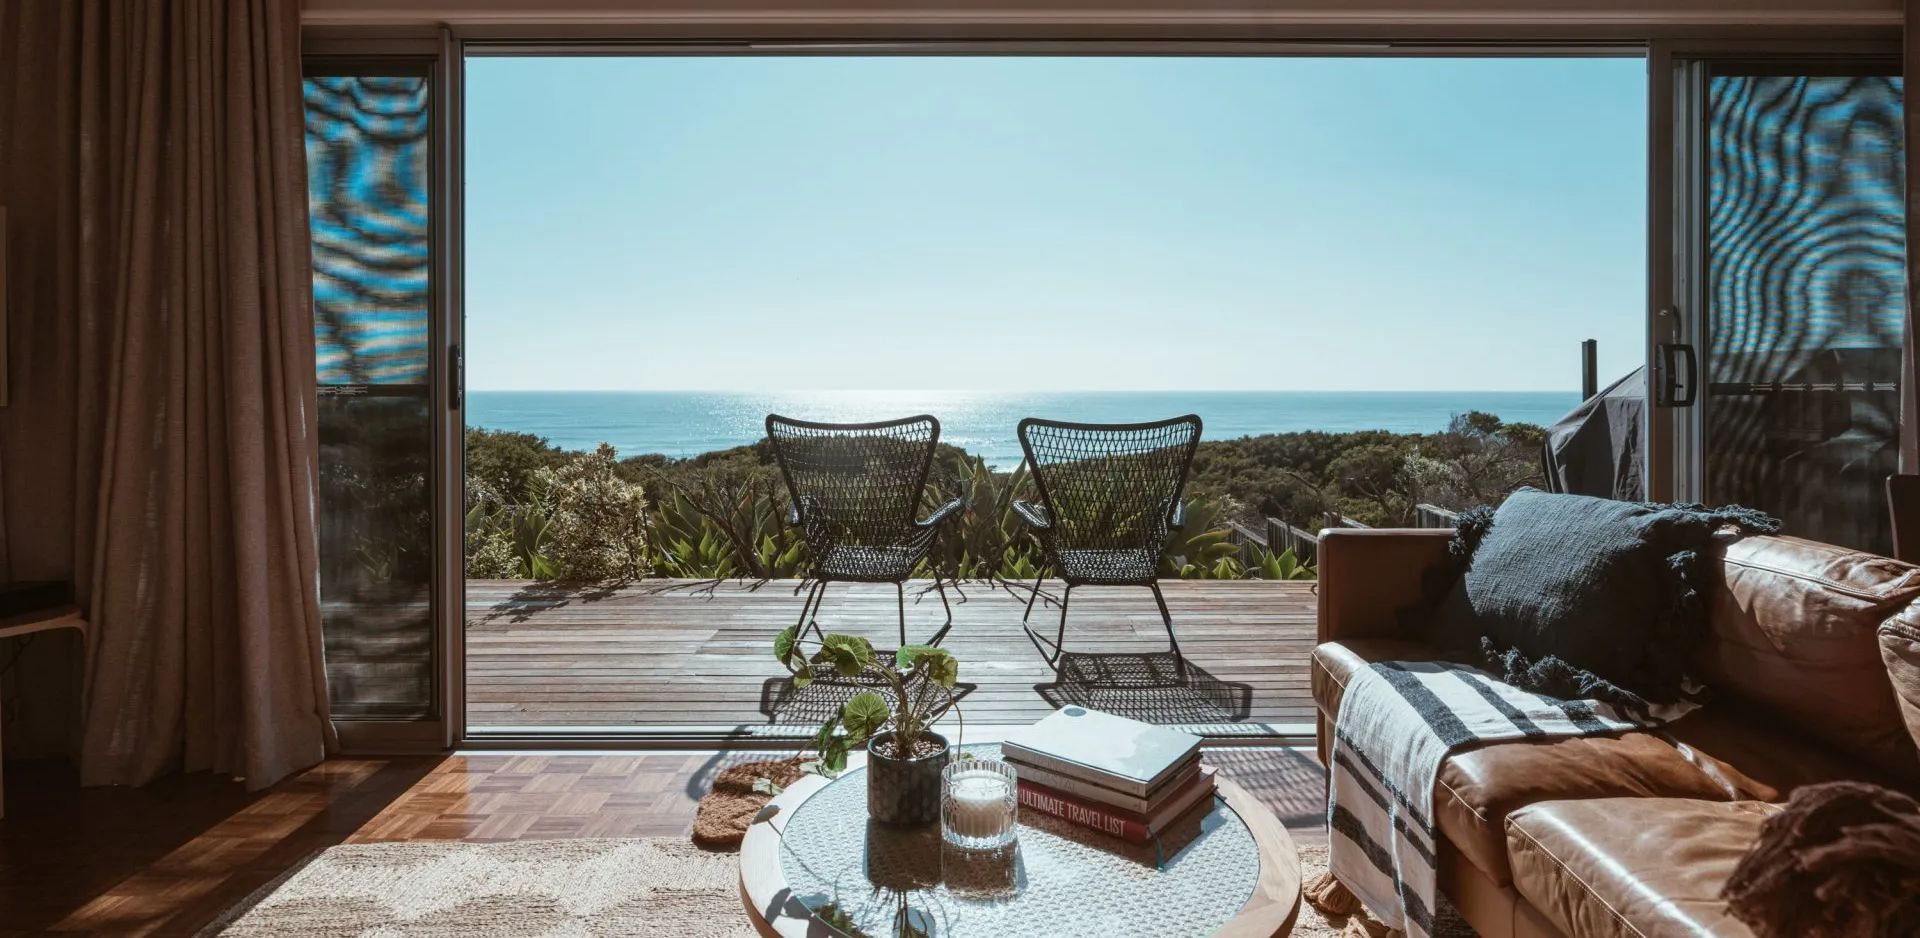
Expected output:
(1798, 260)
(369, 132)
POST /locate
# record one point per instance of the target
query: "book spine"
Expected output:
(1075, 788)
(1130, 786)
(1074, 811)
(1087, 790)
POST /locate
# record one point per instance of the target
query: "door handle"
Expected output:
(1670, 361)
(456, 377)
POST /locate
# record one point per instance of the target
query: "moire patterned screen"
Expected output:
(1806, 299)
(368, 174)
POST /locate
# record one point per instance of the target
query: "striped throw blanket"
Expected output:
(1397, 722)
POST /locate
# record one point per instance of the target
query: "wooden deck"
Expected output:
(678, 653)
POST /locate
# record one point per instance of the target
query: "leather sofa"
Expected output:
(1814, 661)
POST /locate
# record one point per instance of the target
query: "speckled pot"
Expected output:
(905, 791)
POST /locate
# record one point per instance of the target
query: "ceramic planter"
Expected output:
(905, 791)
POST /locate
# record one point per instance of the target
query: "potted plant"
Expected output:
(904, 756)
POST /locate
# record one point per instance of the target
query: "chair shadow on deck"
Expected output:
(783, 704)
(541, 595)
(1147, 687)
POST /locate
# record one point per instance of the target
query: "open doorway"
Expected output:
(1368, 277)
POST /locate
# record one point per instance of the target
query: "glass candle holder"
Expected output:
(979, 804)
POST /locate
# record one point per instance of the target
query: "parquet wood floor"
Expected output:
(168, 858)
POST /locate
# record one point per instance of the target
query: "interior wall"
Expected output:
(1301, 16)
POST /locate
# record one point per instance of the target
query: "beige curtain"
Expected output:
(159, 450)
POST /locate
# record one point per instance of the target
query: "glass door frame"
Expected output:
(1675, 212)
(1677, 190)
(442, 727)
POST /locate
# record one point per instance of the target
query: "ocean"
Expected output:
(688, 423)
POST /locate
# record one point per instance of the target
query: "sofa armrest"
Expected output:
(1368, 575)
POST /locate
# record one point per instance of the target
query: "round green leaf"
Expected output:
(864, 714)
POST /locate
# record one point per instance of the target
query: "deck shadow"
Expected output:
(782, 703)
(1147, 687)
(542, 595)
(1289, 781)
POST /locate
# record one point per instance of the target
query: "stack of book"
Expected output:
(1117, 776)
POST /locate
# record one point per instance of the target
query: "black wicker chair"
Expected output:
(856, 490)
(1109, 498)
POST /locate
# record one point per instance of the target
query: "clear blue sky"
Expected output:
(1052, 223)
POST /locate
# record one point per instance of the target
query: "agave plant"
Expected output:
(1282, 566)
(1198, 549)
(724, 528)
(987, 538)
(509, 538)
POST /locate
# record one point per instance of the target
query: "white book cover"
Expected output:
(1112, 751)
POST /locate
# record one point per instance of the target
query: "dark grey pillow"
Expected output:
(1581, 597)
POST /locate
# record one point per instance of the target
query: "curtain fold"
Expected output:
(161, 443)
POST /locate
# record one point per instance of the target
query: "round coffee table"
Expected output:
(1230, 870)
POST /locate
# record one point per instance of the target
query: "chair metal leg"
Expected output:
(1034, 595)
(900, 593)
(1166, 618)
(940, 586)
(1060, 636)
(1052, 651)
(809, 609)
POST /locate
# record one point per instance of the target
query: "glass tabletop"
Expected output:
(1056, 879)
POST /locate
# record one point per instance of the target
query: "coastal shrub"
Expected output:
(598, 527)
(490, 554)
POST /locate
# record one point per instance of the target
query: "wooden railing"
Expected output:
(1280, 536)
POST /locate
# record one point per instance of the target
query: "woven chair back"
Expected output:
(1109, 486)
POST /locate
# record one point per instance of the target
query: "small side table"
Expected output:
(1250, 888)
(27, 623)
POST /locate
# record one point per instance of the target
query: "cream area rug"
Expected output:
(658, 886)
(524, 889)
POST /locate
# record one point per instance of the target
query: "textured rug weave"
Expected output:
(523, 889)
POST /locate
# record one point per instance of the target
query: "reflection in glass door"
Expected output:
(1805, 297)
(368, 165)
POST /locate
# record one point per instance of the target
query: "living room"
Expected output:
(332, 609)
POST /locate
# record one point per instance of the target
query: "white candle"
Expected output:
(980, 804)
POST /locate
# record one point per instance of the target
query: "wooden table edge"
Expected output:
(1268, 913)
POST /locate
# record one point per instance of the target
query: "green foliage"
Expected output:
(1200, 546)
(1283, 566)
(598, 526)
(722, 514)
(986, 538)
(920, 680)
(507, 540)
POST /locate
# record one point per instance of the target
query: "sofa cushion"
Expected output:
(1582, 597)
(1900, 651)
(1712, 754)
(1633, 866)
(1794, 627)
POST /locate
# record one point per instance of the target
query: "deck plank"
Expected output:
(669, 653)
